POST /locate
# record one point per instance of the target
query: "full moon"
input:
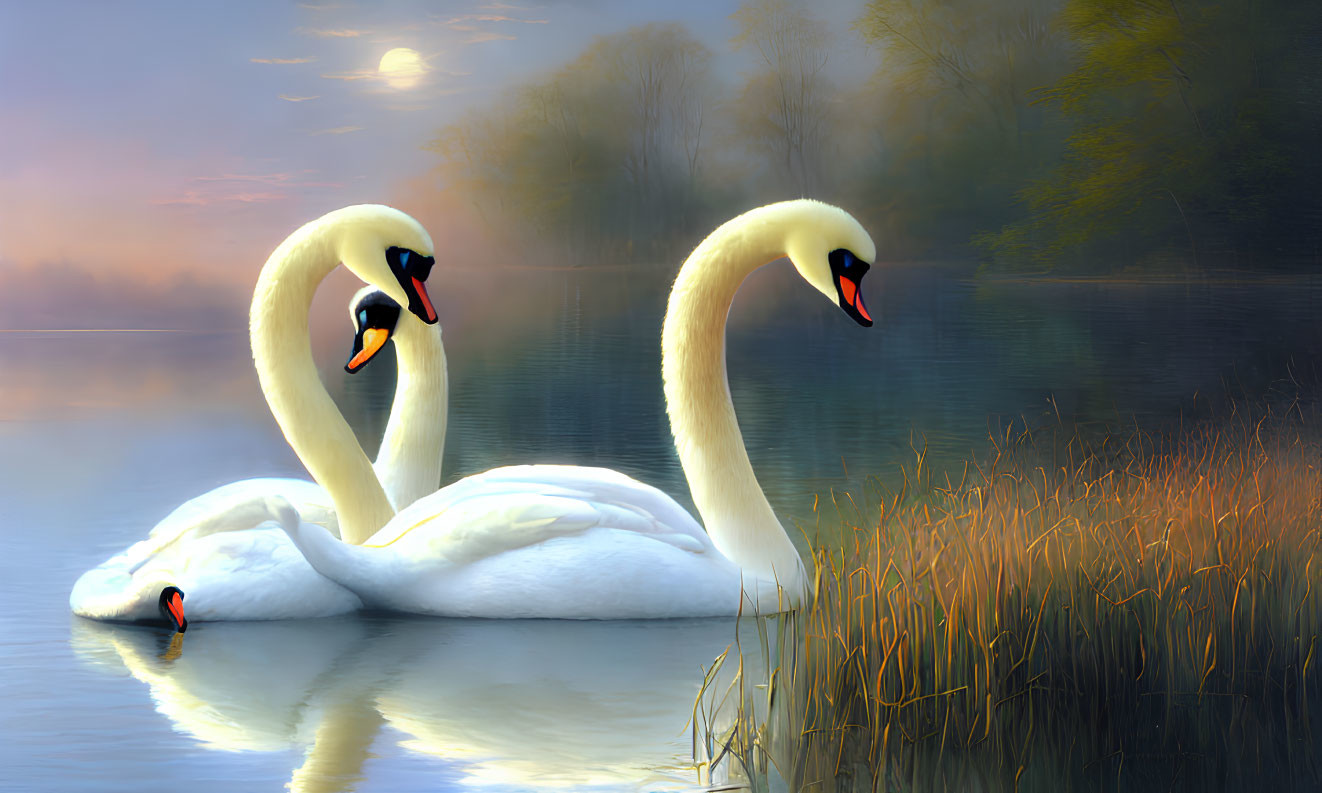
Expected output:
(402, 67)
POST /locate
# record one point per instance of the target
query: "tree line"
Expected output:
(1101, 134)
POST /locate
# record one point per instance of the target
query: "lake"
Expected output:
(104, 433)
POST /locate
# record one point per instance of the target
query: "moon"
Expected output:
(401, 68)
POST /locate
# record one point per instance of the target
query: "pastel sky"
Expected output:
(170, 146)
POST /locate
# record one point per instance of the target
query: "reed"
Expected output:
(1087, 612)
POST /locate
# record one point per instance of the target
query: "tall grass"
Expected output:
(1079, 613)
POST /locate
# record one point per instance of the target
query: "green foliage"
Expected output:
(956, 116)
(1174, 145)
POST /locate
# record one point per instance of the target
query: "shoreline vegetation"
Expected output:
(1061, 135)
(1115, 610)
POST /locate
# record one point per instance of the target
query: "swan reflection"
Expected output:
(523, 704)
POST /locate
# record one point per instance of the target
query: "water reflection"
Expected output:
(519, 704)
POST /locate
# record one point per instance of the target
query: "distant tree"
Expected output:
(991, 55)
(602, 154)
(784, 106)
(661, 74)
(1184, 132)
(953, 104)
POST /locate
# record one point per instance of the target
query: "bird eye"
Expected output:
(848, 260)
(404, 258)
(362, 317)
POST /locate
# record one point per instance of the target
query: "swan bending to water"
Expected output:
(214, 546)
(591, 543)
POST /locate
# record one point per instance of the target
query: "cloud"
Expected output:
(486, 35)
(281, 61)
(272, 179)
(464, 19)
(361, 74)
(260, 178)
(289, 98)
(335, 130)
(495, 5)
(315, 7)
(346, 33)
(196, 198)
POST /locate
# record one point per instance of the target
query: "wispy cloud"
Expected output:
(222, 189)
(289, 98)
(315, 7)
(197, 198)
(344, 33)
(464, 19)
(259, 178)
(487, 35)
(281, 61)
(335, 131)
(361, 74)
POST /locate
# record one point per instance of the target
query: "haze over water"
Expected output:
(105, 433)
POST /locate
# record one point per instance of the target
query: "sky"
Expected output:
(153, 154)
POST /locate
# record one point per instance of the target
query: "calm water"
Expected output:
(104, 433)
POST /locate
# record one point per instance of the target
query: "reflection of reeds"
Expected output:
(1133, 609)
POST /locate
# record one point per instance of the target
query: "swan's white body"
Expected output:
(590, 543)
(220, 549)
(246, 571)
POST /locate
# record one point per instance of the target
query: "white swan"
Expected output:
(591, 543)
(214, 546)
(408, 464)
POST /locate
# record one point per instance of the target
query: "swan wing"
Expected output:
(221, 548)
(311, 501)
(508, 508)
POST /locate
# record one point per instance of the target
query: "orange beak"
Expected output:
(373, 340)
(850, 292)
(176, 606)
(425, 298)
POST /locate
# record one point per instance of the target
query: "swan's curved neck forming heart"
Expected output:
(282, 354)
(409, 462)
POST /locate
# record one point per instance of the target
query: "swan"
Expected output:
(408, 464)
(215, 547)
(591, 543)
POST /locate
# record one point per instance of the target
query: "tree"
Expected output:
(783, 106)
(1180, 142)
(953, 102)
(602, 154)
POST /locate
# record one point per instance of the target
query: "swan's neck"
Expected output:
(343, 742)
(409, 462)
(733, 507)
(282, 353)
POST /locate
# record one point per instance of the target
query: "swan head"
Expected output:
(832, 251)
(389, 250)
(375, 317)
(171, 605)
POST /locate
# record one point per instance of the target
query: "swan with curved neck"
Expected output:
(250, 572)
(830, 250)
(387, 249)
(591, 543)
(408, 464)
